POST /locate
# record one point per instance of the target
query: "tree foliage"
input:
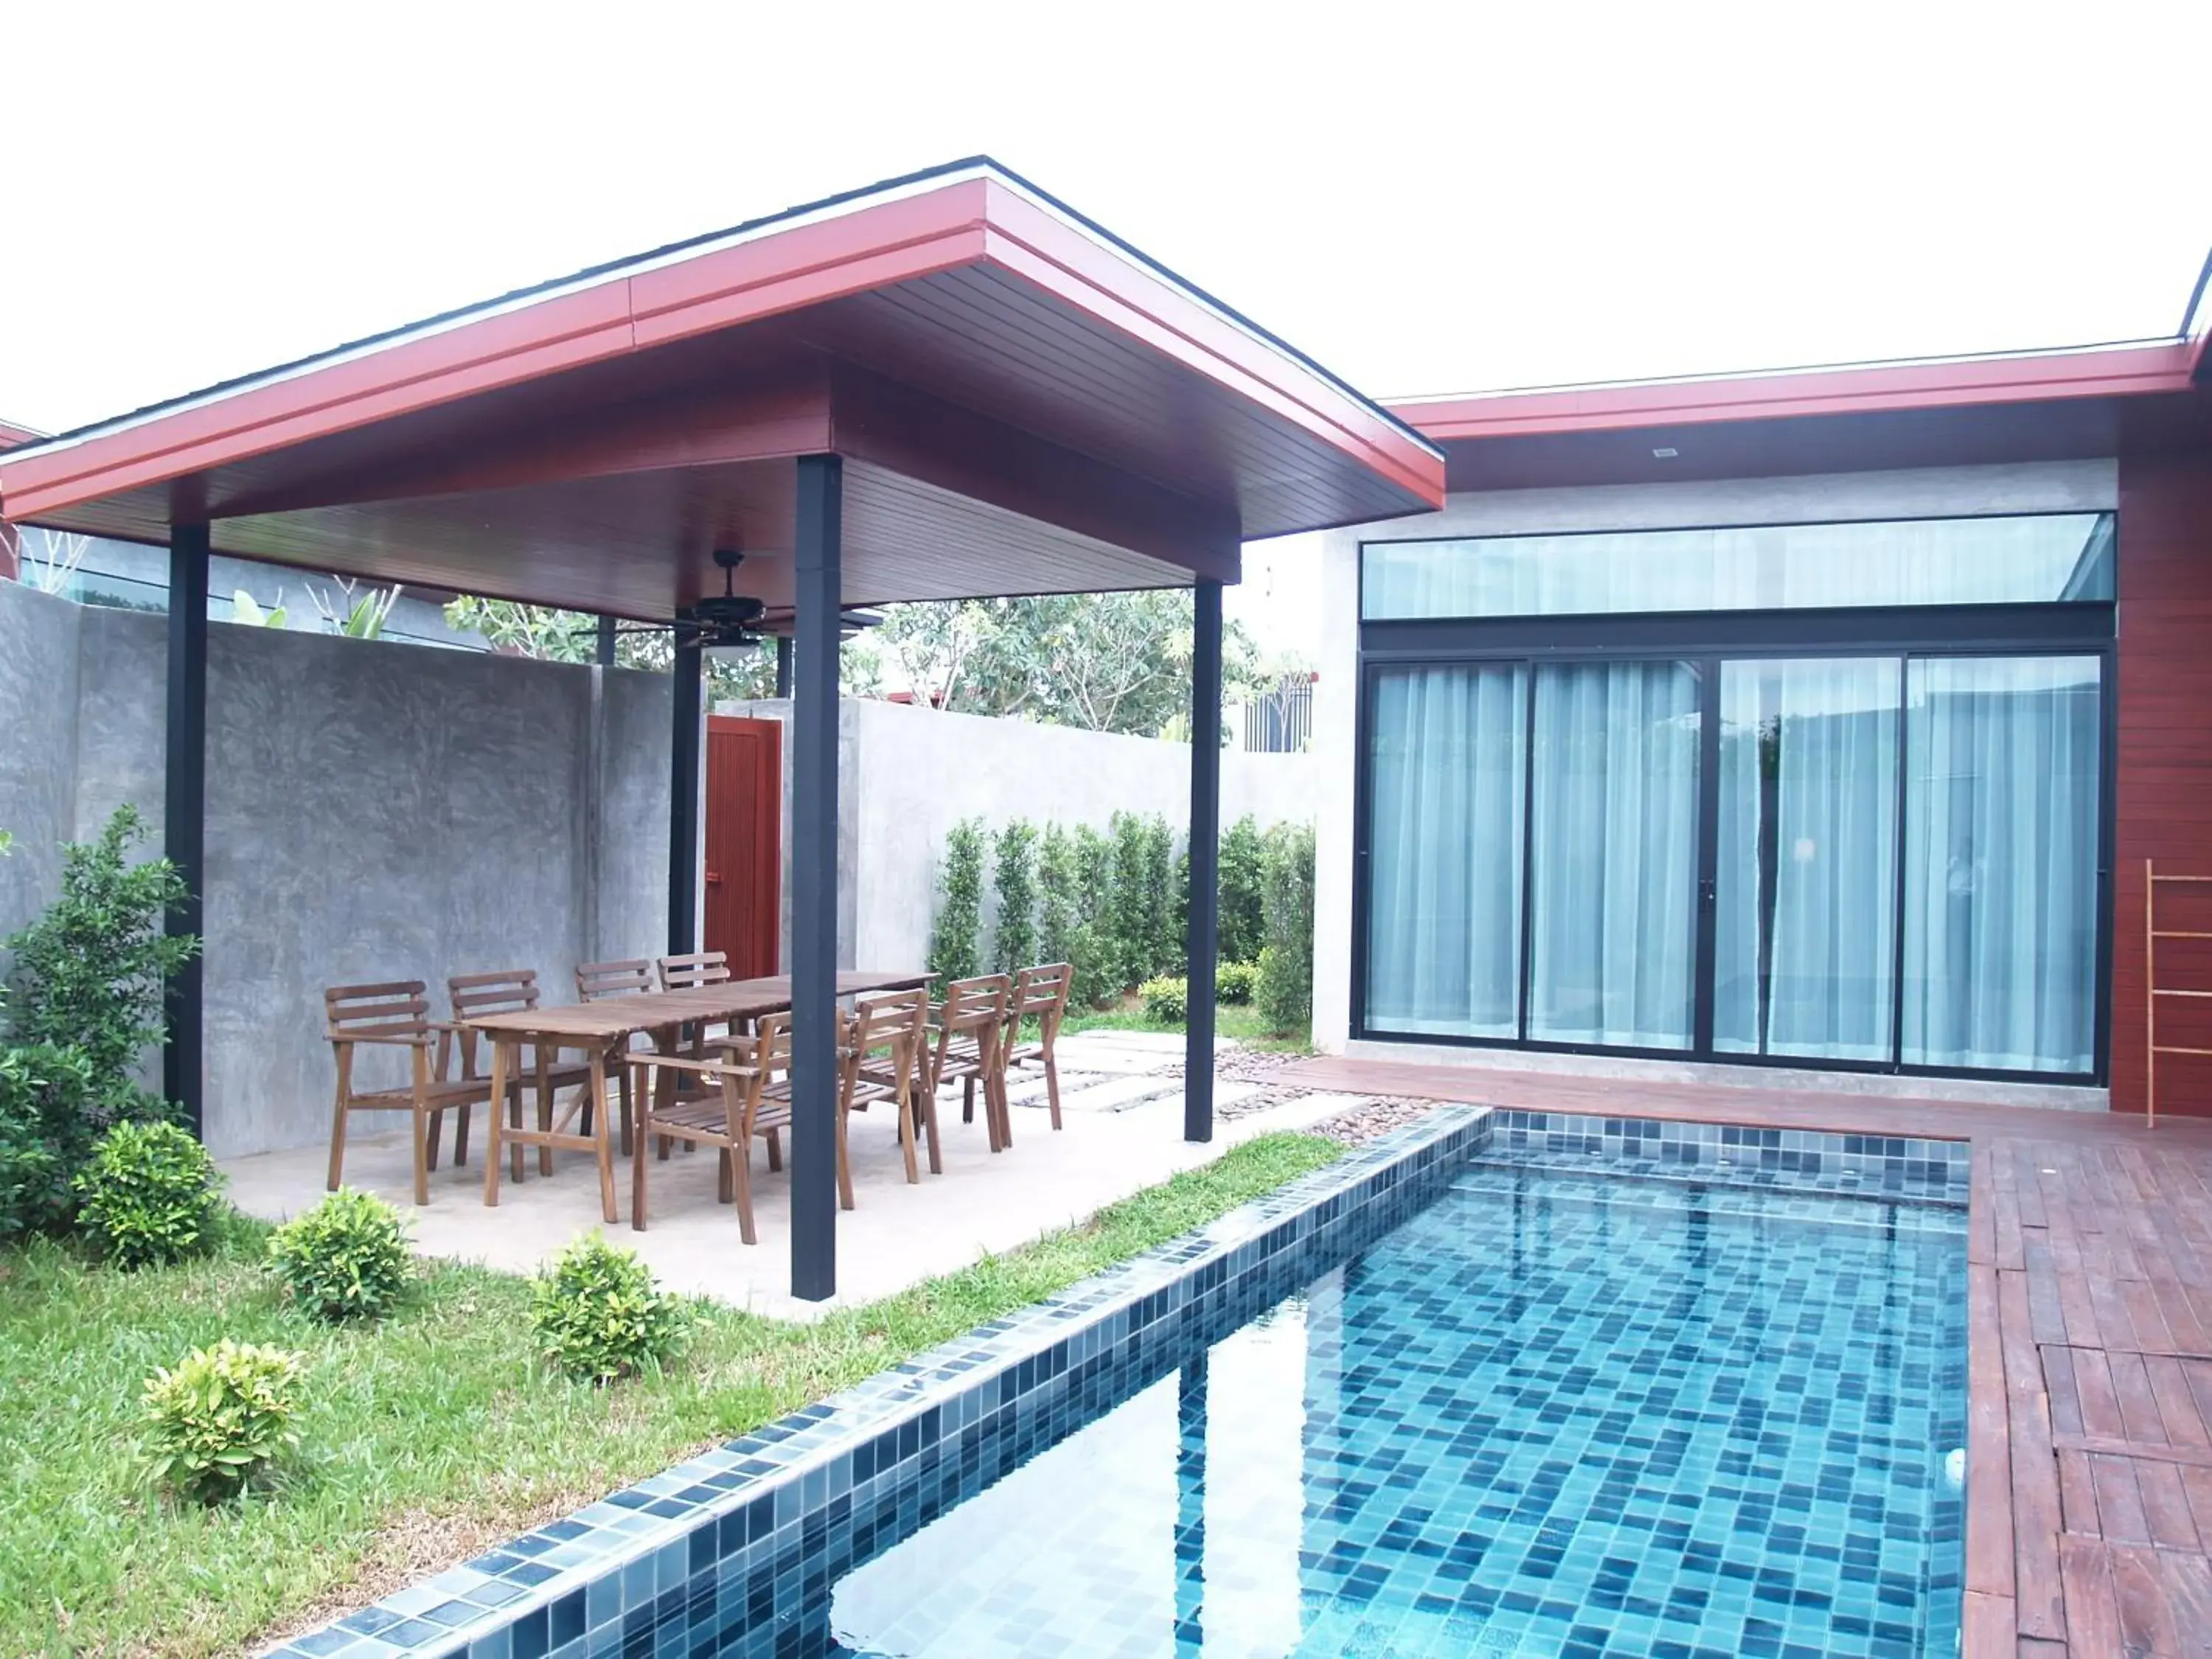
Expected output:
(553, 635)
(1014, 942)
(1106, 662)
(955, 949)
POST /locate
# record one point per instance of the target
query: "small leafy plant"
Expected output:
(347, 1258)
(599, 1315)
(1167, 1001)
(221, 1416)
(148, 1194)
(1235, 981)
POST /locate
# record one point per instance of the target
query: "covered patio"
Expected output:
(949, 385)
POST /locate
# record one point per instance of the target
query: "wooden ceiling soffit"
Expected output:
(787, 416)
(956, 449)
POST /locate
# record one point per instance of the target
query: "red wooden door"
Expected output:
(745, 841)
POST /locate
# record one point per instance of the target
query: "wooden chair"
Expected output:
(595, 980)
(698, 967)
(598, 980)
(395, 1014)
(881, 1060)
(750, 1096)
(503, 991)
(1039, 994)
(966, 1043)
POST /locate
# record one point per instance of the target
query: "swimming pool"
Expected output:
(1552, 1413)
(1501, 1385)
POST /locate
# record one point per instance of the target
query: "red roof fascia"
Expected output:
(2102, 372)
(965, 222)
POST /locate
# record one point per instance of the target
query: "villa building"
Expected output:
(1821, 719)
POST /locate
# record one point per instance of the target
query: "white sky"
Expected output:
(1425, 199)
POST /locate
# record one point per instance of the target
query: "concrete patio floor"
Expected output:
(1121, 1106)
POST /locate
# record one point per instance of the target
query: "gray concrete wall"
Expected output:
(375, 811)
(1919, 492)
(907, 775)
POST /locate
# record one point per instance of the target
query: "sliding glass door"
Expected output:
(1805, 934)
(1887, 859)
(1613, 787)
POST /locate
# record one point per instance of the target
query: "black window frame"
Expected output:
(2083, 627)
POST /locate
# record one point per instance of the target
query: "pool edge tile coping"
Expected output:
(476, 1604)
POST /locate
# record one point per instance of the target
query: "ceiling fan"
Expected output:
(726, 618)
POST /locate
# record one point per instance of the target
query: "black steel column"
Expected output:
(816, 557)
(783, 664)
(606, 642)
(683, 804)
(183, 808)
(1204, 858)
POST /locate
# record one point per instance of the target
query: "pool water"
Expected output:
(1553, 1413)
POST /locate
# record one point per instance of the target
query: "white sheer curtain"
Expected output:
(1443, 953)
(1612, 878)
(2024, 559)
(1806, 963)
(2001, 862)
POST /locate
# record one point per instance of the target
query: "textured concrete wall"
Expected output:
(39, 674)
(374, 812)
(906, 776)
(1922, 492)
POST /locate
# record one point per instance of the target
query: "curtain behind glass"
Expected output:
(1614, 871)
(1443, 951)
(2030, 559)
(2001, 862)
(1807, 936)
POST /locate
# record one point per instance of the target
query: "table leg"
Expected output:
(544, 1057)
(496, 1120)
(601, 1146)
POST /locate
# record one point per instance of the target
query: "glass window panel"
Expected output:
(2024, 560)
(1614, 877)
(1443, 952)
(2000, 808)
(1806, 918)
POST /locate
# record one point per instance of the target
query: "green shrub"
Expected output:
(1284, 989)
(1015, 935)
(599, 1315)
(1167, 1001)
(87, 974)
(346, 1258)
(1128, 910)
(1243, 916)
(47, 1124)
(1163, 936)
(954, 950)
(1094, 954)
(1058, 900)
(148, 1194)
(221, 1416)
(1235, 981)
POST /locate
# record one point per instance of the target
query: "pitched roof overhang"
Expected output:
(2069, 403)
(1025, 404)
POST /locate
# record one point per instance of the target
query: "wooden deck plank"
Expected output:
(2092, 1612)
(2165, 1505)
(2147, 1623)
(2120, 1516)
(1989, 1630)
(1989, 1444)
(2179, 1416)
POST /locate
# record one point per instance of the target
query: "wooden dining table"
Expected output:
(601, 1029)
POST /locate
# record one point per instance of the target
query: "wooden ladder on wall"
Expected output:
(2152, 990)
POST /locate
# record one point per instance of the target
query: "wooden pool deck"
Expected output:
(2089, 1359)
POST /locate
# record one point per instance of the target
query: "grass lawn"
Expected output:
(1239, 1020)
(430, 1436)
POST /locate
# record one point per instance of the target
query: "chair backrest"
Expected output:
(699, 968)
(505, 991)
(969, 1003)
(879, 1022)
(357, 1013)
(771, 1049)
(1041, 992)
(595, 980)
